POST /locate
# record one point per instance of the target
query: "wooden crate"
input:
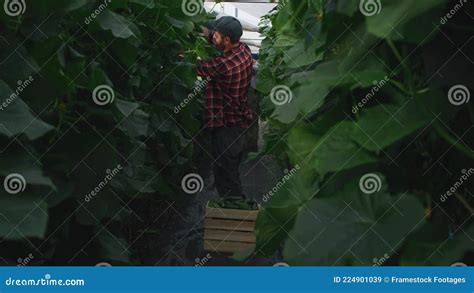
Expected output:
(229, 230)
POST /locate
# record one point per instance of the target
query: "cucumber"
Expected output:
(239, 204)
(231, 206)
(243, 206)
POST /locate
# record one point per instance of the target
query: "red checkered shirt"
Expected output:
(226, 93)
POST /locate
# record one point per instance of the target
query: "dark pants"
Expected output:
(227, 147)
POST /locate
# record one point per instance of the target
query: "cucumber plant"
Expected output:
(87, 124)
(371, 99)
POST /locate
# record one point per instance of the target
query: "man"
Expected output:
(227, 114)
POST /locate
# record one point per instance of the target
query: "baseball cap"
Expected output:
(228, 26)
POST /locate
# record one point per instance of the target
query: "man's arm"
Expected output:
(207, 34)
(214, 68)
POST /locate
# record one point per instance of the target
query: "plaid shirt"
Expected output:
(226, 92)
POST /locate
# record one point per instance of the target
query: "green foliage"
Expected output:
(369, 96)
(65, 145)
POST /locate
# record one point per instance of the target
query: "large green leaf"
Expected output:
(394, 15)
(334, 151)
(434, 247)
(22, 217)
(381, 126)
(302, 141)
(119, 25)
(135, 123)
(283, 203)
(310, 89)
(112, 247)
(16, 63)
(297, 56)
(147, 3)
(306, 98)
(17, 119)
(97, 206)
(75, 4)
(351, 227)
(24, 164)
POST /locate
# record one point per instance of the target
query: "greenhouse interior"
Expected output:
(236, 133)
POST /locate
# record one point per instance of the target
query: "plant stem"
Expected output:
(464, 203)
(410, 78)
(449, 139)
(298, 10)
(399, 85)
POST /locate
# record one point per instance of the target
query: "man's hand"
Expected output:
(207, 33)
